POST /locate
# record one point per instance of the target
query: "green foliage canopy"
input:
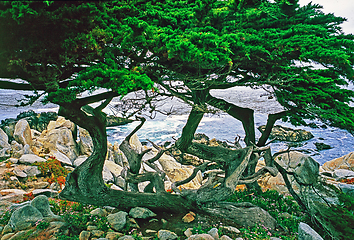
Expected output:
(123, 45)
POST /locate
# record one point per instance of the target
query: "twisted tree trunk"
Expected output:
(85, 183)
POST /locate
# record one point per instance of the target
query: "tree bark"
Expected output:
(272, 118)
(245, 115)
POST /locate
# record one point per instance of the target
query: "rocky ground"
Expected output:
(21, 181)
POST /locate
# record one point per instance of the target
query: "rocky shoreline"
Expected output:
(61, 140)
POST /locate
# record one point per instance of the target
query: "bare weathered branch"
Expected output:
(232, 181)
(158, 155)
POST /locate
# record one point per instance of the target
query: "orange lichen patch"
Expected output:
(240, 187)
(8, 165)
(347, 180)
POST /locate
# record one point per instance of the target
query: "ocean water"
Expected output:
(220, 126)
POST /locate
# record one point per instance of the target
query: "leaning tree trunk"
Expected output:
(194, 118)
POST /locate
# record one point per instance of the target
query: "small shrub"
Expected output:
(5, 217)
(76, 222)
(41, 224)
(274, 203)
(54, 171)
(341, 217)
(28, 196)
(64, 237)
(260, 232)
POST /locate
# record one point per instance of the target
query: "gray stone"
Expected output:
(90, 228)
(79, 160)
(69, 168)
(118, 155)
(45, 192)
(126, 237)
(166, 235)
(61, 157)
(85, 143)
(287, 134)
(107, 175)
(14, 179)
(55, 186)
(113, 235)
(19, 173)
(97, 233)
(225, 237)
(5, 153)
(244, 214)
(60, 140)
(7, 236)
(14, 191)
(27, 149)
(84, 235)
(99, 212)
(42, 204)
(4, 140)
(140, 212)
(30, 159)
(202, 236)
(7, 229)
(343, 173)
(214, 233)
(24, 217)
(114, 168)
(22, 133)
(17, 149)
(307, 233)
(305, 168)
(19, 205)
(31, 171)
(13, 160)
(188, 232)
(21, 234)
(57, 224)
(347, 188)
(231, 229)
(117, 220)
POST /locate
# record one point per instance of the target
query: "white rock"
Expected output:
(307, 233)
(343, 173)
(19, 173)
(4, 140)
(9, 191)
(60, 139)
(135, 143)
(22, 133)
(114, 168)
(107, 175)
(225, 237)
(85, 143)
(13, 160)
(30, 159)
(61, 122)
(231, 229)
(79, 160)
(60, 157)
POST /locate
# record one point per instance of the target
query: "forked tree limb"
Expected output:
(232, 181)
(202, 167)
